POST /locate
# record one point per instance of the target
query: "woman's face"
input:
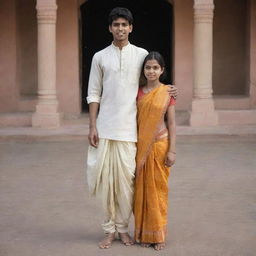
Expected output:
(152, 70)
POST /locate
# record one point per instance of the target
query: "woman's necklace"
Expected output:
(149, 89)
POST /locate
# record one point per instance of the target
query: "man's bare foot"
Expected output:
(126, 239)
(145, 245)
(159, 246)
(107, 241)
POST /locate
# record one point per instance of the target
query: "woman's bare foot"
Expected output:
(159, 246)
(126, 239)
(145, 245)
(107, 241)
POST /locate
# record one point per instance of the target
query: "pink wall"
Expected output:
(68, 87)
(8, 85)
(183, 52)
(18, 56)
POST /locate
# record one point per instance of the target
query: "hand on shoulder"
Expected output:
(173, 91)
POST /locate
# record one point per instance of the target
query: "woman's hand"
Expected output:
(170, 158)
(93, 137)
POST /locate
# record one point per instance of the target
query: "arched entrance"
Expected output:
(153, 26)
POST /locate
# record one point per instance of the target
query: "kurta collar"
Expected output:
(123, 49)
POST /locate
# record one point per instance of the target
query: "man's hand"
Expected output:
(93, 137)
(173, 91)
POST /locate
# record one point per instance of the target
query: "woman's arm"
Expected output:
(171, 126)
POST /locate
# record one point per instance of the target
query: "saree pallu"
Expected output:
(151, 184)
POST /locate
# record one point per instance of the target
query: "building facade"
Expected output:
(44, 51)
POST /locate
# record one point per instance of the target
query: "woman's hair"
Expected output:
(120, 12)
(160, 60)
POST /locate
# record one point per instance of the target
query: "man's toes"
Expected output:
(106, 243)
(101, 246)
(104, 246)
(126, 239)
(127, 243)
(130, 242)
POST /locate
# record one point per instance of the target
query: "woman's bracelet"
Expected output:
(172, 152)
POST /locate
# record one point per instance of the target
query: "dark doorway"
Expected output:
(153, 25)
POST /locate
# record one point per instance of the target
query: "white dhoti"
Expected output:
(110, 175)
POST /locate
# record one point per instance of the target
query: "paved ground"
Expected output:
(46, 209)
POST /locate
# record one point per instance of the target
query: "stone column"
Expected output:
(203, 112)
(47, 114)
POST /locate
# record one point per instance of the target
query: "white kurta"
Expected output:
(113, 82)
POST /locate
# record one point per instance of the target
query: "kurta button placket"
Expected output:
(120, 83)
(122, 64)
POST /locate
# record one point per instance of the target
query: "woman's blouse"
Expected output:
(141, 93)
(163, 132)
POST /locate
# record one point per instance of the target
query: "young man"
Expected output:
(113, 85)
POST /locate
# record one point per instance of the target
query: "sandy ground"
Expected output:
(46, 210)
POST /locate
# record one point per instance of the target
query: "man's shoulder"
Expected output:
(102, 52)
(139, 49)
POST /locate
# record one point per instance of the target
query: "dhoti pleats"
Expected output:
(110, 174)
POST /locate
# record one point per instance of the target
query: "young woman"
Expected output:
(156, 153)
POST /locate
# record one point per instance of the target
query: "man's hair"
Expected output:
(120, 12)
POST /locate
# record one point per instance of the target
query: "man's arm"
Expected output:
(93, 133)
(93, 99)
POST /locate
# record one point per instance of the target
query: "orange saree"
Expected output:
(151, 184)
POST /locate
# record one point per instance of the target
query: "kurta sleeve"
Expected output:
(95, 81)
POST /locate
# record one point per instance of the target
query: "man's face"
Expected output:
(120, 29)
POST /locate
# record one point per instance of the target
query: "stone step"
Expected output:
(19, 119)
(226, 117)
(28, 102)
(182, 118)
(239, 102)
(16, 119)
(237, 117)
